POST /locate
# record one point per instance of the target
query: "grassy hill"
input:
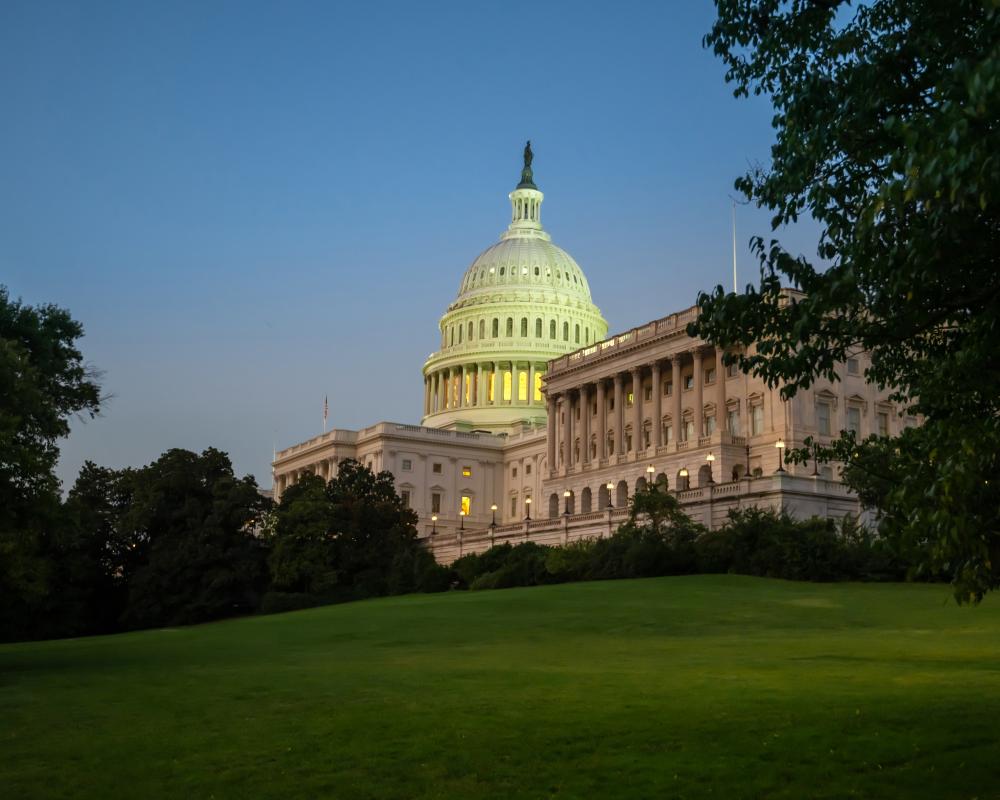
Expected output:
(675, 687)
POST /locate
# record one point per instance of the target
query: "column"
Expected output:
(531, 383)
(550, 410)
(699, 403)
(585, 424)
(637, 410)
(427, 395)
(619, 415)
(513, 382)
(567, 430)
(720, 391)
(657, 414)
(602, 420)
(677, 410)
(463, 377)
(442, 390)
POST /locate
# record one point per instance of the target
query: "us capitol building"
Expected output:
(538, 426)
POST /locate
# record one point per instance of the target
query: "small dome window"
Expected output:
(501, 270)
(492, 270)
(558, 275)
(524, 270)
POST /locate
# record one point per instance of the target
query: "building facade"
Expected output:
(538, 426)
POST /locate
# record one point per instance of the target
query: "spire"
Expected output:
(526, 175)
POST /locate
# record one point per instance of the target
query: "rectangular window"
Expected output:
(538, 386)
(647, 393)
(513, 472)
(506, 385)
(436, 468)
(668, 388)
(689, 430)
(854, 420)
(732, 370)
(489, 384)
(466, 504)
(513, 508)
(883, 424)
(527, 469)
(629, 400)
(435, 503)
(709, 376)
(823, 418)
(405, 494)
(688, 383)
(757, 420)
(466, 472)
(710, 425)
(522, 386)
(611, 404)
(407, 465)
(852, 367)
(734, 422)
(645, 438)
(668, 433)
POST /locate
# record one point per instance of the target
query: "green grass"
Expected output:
(677, 687)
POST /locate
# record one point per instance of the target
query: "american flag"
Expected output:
(326, 407)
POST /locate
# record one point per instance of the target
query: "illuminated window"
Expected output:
(435, 503)
(629, 399)
(466, 504)
(522, 385)
(538, 387)
(468, 388)
(466, 472)
(506, 384)
(489, 387)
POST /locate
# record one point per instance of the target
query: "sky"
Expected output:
(251, 206)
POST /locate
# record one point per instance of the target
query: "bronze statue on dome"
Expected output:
(527, 181)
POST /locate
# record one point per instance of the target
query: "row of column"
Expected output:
(564, 403)
(468, 385)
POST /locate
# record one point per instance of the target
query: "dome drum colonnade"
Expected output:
(522, 302)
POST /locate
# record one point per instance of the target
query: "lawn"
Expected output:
(717, 686)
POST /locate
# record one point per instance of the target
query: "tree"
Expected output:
(886, 134)
(43, 381)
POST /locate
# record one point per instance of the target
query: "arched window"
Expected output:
(538, 328)
(586, 335)
(621, 494)
(460, 333)
(603, 497)
(585, 501)
(469, 337)
(577, 334)
(496, 328)
(553, 505)
(552, 329)
(482, 329)
(565, 331)
(451, 335)
(524, 327)
(611, 443)
(510, 326)
(536, 272)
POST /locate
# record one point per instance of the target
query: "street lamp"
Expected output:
(434, 522)
(493, 508)
(650, 472)
(710, 458)
(567, 495)
(461, 515)
(527, 509)
(610, 487)
(780, 447)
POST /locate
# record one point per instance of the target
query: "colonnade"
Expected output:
(484, 383)
(326, 468)
(579, 432)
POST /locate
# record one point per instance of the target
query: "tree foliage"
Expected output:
(886, 120)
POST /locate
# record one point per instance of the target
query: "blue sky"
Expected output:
(252, 205)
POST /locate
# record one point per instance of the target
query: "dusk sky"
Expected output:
(252, 205)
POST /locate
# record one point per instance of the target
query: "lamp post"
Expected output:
(434, 522)
(493, 508)
(710, 458)
(566, 496)
(780, 447)
(610, 487)
(527, 509)
(650, 472)
(461, 515)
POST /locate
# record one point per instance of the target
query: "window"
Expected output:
(646, 436)
(506, 385)
(405, 495)
(688, 430)
(734, 422)
(709, 376)
(611, 403)
(854, 420)
(688, 383)
(577, 334)
(732, 370)
(565, 331)
(852, 367)
(710, 425)
(466, 472)
(552, 329)
(513, 507)
(628, 439)
(527, 469)
(459, 334)
(435, 503)
(629, 399)
(522, 385)
(668, 388)
(538, 322)
(883, 423)
(823, 418)
(496, 328)
(482, 329)
(466, 504)
(757, 420)
(436, 468)
(524, 327)
(510, 326)
(647, 393)
(513, 472)
(407, 465)
(668, 433)
(538, 387)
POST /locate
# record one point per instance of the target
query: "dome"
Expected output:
(522, 302)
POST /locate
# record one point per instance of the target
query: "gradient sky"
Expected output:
(252, 205)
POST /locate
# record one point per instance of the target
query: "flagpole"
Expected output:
(735, 289)
(326, 410)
